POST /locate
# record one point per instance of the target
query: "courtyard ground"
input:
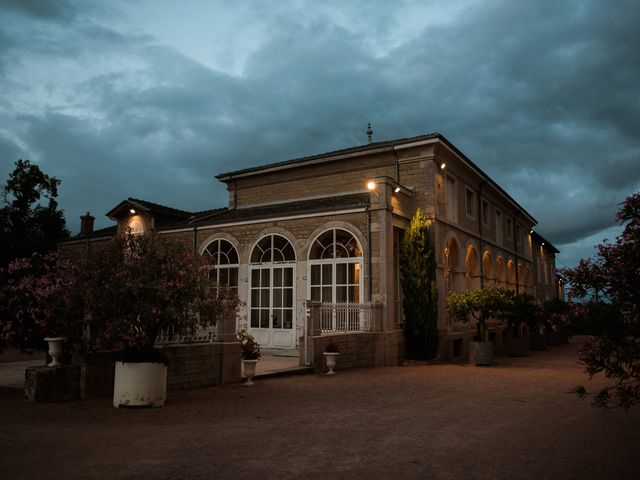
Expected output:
(516, 420)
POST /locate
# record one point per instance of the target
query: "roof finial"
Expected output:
(369, 131)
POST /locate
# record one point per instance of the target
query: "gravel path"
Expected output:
(512, 421)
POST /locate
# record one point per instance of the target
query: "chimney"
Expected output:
(369, 132)
(86, 224)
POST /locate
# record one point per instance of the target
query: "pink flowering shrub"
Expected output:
(608, 291)
(250, 348)
(138, 285)
(39, 297)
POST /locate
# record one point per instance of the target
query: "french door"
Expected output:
(271, 305)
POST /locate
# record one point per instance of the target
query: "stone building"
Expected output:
(327, 228)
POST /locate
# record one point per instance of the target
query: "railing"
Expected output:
(346, 317)
(169, 336)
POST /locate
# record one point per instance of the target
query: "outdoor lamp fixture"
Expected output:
(371, 185)
(542, 244)
(531, 231)
(397, 189)
(442, 165)
(132, 211)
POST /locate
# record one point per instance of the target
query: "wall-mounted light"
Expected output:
(442, 165)
(531, 231)
(371, 185)
(397, 189)
(132, 211)
(542, 244)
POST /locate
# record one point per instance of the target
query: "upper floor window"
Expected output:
(450, 190)
(509, 228)
(225, 261)
(470, 202)
(518, 233)
(499, 226)
(485, 212)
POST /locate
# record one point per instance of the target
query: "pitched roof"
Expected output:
(162, 214)
(288, 209)
(327, 155)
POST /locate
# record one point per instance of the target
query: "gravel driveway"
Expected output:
(512, 421)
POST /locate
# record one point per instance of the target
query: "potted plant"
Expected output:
(136, 286)
(519, 312)
(481, 304)
(331, 352)
(250, 354)
(40, 302)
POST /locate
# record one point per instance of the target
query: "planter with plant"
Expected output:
(250, 354)
(482, 304)
(331, 352)
(135, 287)
(520, 311)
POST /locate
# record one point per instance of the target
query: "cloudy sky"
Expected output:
(151, 98)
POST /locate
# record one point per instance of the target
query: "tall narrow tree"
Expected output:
(29, 218)
(420, 302)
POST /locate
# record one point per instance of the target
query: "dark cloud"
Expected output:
(542, 96)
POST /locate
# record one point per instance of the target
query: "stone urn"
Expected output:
(249, 371)
(330, 359)
(55, 350)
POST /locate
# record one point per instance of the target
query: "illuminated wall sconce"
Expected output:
(397, 189)
(542, 244)
(132, 211)
(442, 165)
(531, 231)
(371, 185)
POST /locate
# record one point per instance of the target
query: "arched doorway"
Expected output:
(472, 268)
(271, 292)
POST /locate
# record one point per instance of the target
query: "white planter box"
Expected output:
(140, 384)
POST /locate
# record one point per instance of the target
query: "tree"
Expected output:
(420, 302)
(609, 290)
(29, 218)
(481, 303)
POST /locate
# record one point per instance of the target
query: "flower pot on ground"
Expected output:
(481, 353)
(539, 341)
(331, 352)
(553, 338)
(517, 346)
(140, 383)
(521, 314)
(481, 304)
(249, 367)
(250, 354)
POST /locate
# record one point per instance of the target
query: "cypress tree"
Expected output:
(420, 302)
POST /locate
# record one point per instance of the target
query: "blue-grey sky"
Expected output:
(151, 98)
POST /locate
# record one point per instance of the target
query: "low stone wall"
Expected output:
(190, 366)
(52, 384)
(357, 349)
(202, 365)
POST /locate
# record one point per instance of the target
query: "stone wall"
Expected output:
(190, 366)
(52, 384)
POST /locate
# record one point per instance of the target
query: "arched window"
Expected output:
(225, 264)
(335, 263)
(273, 249)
